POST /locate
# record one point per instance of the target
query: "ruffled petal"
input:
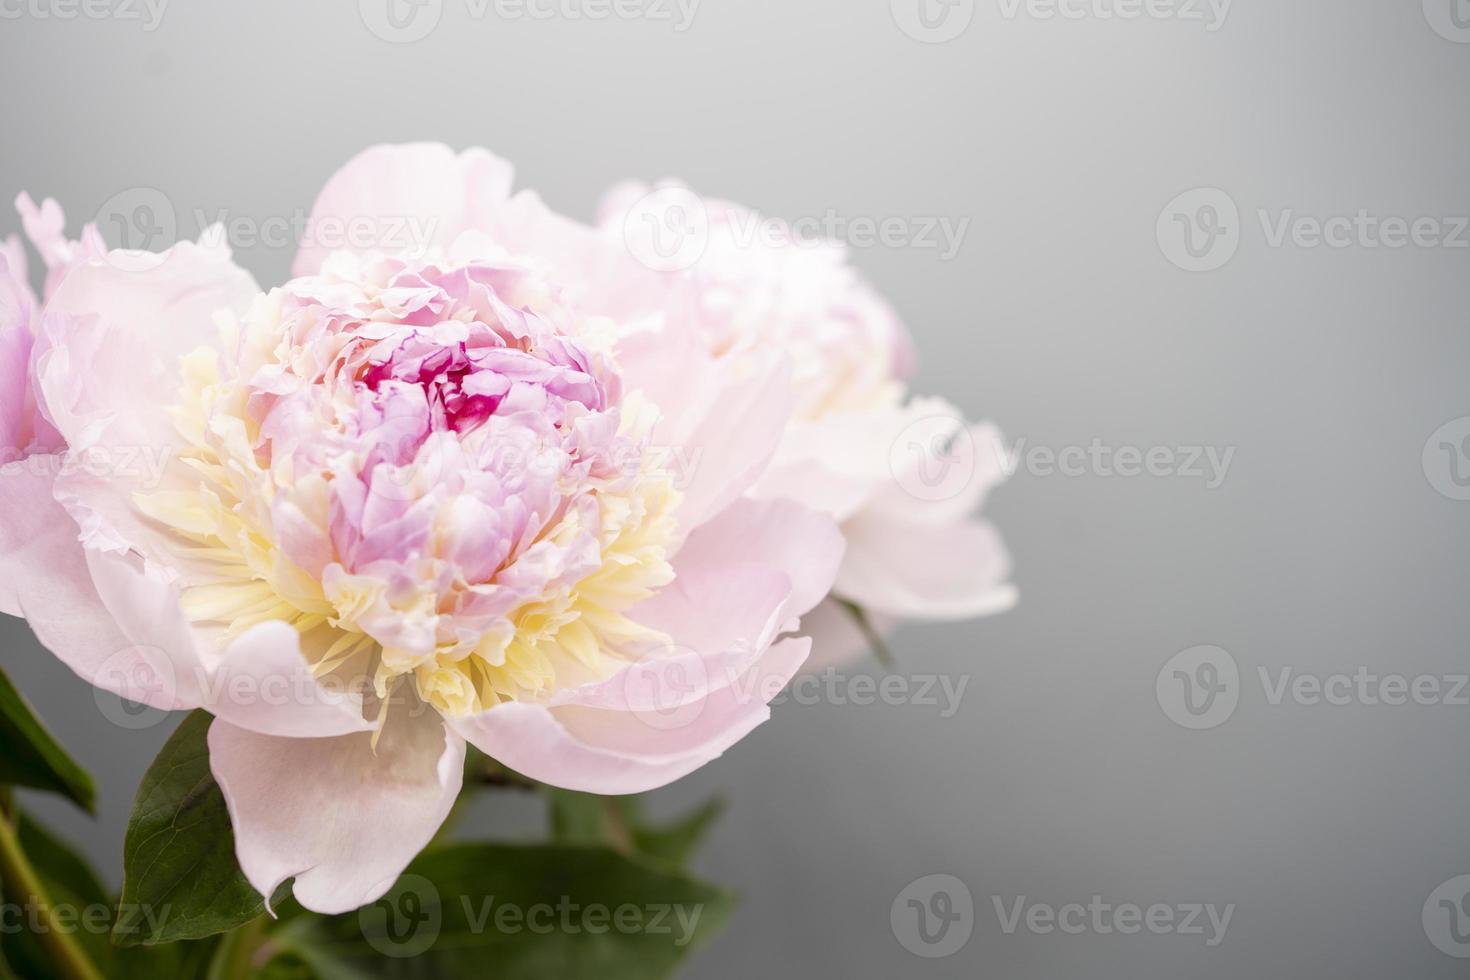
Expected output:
(114, 332)
(45, 226)
(403, 200)
(726, 434)
(262, 683)
(924, 570)
(592, 750)
(337, 814)
(45, 577)
(801, 543)
(15, 353)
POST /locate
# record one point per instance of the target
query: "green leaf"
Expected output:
(581, 818)
(675, 843)
(577, 818)
(519, 913)
(77, 899)
(32, 758)
(288, 966)
(181, 879)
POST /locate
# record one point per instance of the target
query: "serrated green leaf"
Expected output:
(32, 758)
(520, 913)
(181, 879)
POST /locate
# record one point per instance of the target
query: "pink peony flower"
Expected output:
(400, 504)
(904, 476)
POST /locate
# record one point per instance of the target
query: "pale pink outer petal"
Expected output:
(261, 681)
(803, 544)
(739, 581)
(981, 447)
(115, 330)
(44, 576)
(620, 752)
(13, 252)
(738, 428)
(405, 197)
(721, 621)
(342, 819)
(15, 353)
(923, 570)
(45, 226)
(120, 627)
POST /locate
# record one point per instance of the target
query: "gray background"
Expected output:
(1062, 319)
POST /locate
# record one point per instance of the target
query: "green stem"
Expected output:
(870, 632)
(68, 958)
(235, 957)
(618, 834)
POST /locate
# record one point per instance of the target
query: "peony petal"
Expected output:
(619, 752)
(980, 448)
(260, 681)
(801, 543)
(402, 199)
(115, 330)
(45, 577)
(263, 683)
(924, 570)
(738, 427)
(15, 352)
(341, 817)
(45, 226)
